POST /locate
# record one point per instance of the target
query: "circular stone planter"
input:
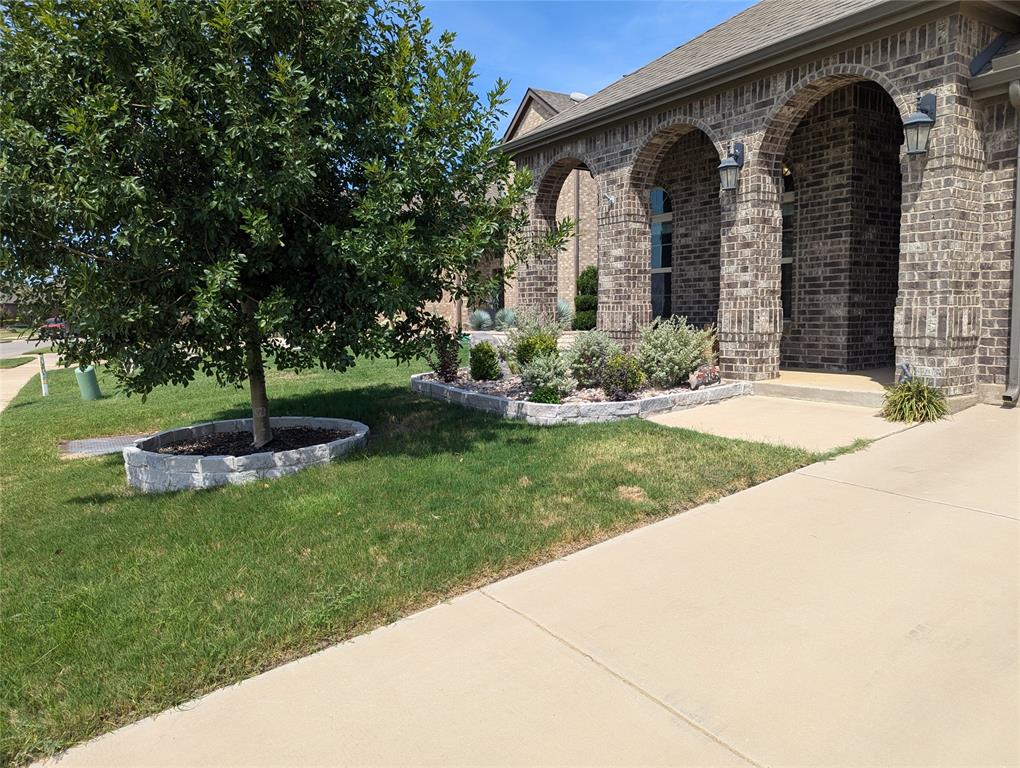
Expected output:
(153, 472)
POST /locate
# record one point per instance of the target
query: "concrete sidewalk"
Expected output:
(860, 612)
(13, 379)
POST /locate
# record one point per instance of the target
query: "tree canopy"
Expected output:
(198, 186)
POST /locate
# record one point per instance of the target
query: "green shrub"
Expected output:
(480, 320)
(545, 395)
(484, 362)
(914, 400)
(533, 336)
(588, 357)
(506, 319)
(671, 350)
(549, 371)
(588, 282)
(622, 376)
(564, 313)
(584, 320)
(585, 303)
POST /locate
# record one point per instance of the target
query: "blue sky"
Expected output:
(565, 45)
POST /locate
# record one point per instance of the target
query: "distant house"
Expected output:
(832, 184)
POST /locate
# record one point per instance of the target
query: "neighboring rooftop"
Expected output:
(761, 27)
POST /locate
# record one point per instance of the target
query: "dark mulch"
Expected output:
(239, 443)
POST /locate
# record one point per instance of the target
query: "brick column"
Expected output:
(750, 310)
(937, 318)
(624, 259)
(536, 278)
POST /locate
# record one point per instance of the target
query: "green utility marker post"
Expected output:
(87, 383)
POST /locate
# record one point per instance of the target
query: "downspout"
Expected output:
(1012, 392)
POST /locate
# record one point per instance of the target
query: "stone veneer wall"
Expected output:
(689, 174)
(940, 314)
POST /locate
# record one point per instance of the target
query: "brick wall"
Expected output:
(578, 200)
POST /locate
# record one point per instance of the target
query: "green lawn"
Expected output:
(14, 362)
(116, 605)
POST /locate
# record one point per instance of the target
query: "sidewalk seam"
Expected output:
(629, 683)
(903, 495)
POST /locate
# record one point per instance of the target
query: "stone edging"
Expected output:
(152, 472)
(545, 414)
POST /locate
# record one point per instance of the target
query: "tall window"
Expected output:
(789, 242)
(662, 253)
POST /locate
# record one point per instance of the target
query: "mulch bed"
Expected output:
(239, 443)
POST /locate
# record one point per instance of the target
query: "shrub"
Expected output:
(446, 355)
(670, 350)
(585, 303)
(588, 282)
(564, 313)
(545, 395)
(588, 357)
(480, 320)
(584, 321)
(549, 371)
(484, 362)
(533, 336)
(914, 400)
(622, 376)
(506, 319)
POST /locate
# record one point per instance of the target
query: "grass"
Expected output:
(115, 604)
(14, 362)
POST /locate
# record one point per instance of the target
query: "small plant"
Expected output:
(588, 357)
(506, 319)
(484, 362)
(564, 313)
(545, 394)
(446, 355)
(480, 320)
(534, 336)
(586, 301)
(549, 371)
(914, 400)
(670, 350)
(622, 376)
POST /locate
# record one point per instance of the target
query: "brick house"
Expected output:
(836, 248)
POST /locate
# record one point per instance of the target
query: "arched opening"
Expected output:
(678, 178)
(838, 169)
(567, 189)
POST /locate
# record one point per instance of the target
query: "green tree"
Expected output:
(204, 187)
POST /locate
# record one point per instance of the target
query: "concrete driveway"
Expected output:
(857, 613)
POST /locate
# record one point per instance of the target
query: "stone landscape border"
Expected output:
(545, 414)
(152, 472)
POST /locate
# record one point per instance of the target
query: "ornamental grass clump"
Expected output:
(505, 319)
(914, 400)
(548, 372)
(669, 351)
(622, 376)
(485, 362)
(564, 313)
(480, 320)
(588, 357)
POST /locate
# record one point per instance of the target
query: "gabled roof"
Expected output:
(554, 102)
(755, 38)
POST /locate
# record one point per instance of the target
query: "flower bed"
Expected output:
(151, 469)
(505, 397)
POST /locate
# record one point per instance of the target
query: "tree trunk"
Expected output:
(261, 432)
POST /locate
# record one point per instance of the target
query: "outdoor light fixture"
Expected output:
(729, 169)
(917, 126)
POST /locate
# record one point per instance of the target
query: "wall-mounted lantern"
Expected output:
(729, 169)
(917, 126)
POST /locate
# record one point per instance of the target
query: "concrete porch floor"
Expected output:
(862, 388)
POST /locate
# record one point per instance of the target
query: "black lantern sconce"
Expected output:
(917, 126)
(729, 169)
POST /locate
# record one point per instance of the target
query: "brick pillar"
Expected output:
(750, 310)
(624, 258)
(937, 317)
(536, 278)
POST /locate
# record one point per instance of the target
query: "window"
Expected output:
(662, 254)
(789, 242)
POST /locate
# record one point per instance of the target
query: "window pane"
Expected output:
(660, 202)
(662, 289)
(786, 290)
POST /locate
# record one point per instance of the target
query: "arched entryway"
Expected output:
(676, 176)
(834, 158)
